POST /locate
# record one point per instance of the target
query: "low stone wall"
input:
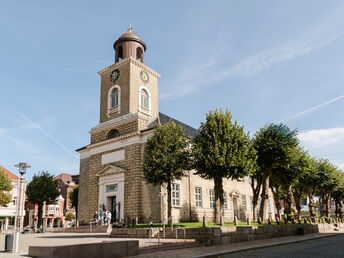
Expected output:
(225, 235)
(101, 250)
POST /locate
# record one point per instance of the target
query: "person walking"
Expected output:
(96, 217)
(102, 215)
(108, 217)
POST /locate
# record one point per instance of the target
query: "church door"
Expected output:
(113, 209)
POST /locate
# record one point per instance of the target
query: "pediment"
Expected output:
(235, 193)
(110, 170)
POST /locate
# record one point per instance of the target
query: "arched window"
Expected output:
(114, 133)
(144, 99)
(120, 52)
(114, 97)
(139, 54)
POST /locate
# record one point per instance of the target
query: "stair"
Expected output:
(168, 246)
(86, 229)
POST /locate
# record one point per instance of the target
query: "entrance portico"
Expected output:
(111, 191)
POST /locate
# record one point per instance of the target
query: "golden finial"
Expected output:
(130, 28)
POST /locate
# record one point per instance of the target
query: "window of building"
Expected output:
(243, 202)
(176, 194)
(224, 201)
(114, 133)
(111, 188)
(144, 99)
(212, 198)
(14, 200)
(269, 206)
(198, 191)
(139, 54)
(251, 201)
(57, 208)
(114, 97)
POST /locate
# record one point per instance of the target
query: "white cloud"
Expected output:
(325, 143)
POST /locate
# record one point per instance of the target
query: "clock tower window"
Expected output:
(114, 99)
(144, 99)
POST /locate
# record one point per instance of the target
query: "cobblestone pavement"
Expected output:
(52, 239)
(228, 250)
(327, 247)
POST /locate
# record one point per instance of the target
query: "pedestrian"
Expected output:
(102, 215)
(96, 217)
(108, 217)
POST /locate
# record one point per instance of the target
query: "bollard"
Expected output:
(204, 222)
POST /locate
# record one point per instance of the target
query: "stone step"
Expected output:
(168, 246)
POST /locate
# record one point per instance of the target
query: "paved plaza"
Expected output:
(312, 245)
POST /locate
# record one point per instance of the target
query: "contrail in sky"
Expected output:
(46, 133)
(311, 109)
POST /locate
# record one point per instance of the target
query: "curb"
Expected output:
(263, 246)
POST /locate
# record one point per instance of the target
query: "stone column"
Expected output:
(6, 223)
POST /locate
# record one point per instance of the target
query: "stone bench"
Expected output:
(101, 250)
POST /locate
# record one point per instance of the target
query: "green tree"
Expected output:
(337, 194)
(256, 184)
(310, 180)
(222, 149)
(70, 216)
(328, 182)
(274, 144)
(73, 196)
(42, 188)
(166, 157)
(5, 187)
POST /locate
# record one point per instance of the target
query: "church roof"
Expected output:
(163, 119)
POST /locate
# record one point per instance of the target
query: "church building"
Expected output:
(111, 175)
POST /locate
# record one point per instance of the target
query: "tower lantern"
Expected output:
(129, 44)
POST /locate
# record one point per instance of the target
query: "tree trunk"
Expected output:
(327, 205)
(255, 190)
(340, 206)
(169, 202)
(277, 202)
(40, 209)
(337, 206)
(298, 205)
(311, 203)
(264, 195)
(289, 200)
(218, 189)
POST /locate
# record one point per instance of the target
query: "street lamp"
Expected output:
(18, 218)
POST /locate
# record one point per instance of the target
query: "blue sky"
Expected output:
(266, 61)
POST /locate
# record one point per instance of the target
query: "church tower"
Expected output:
(111, 165)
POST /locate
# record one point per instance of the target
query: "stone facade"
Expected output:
(111, 175)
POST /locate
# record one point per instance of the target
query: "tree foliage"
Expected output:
(222, 149)
(42, 188)
(274, 144)
(73, 196)
(5, 188)
(167, 156)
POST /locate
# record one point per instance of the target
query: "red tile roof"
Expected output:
(8, 173)
(65, 178)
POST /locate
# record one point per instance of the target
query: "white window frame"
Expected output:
(243, 202)
(251, 201)
(176, 194)
(224, 206)
(114, 109)
(198, 197)
(212, 198)
(141, 107)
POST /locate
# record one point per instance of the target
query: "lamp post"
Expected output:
(18, 218)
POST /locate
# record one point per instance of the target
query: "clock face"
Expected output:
(144, 76)
(114, 75)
